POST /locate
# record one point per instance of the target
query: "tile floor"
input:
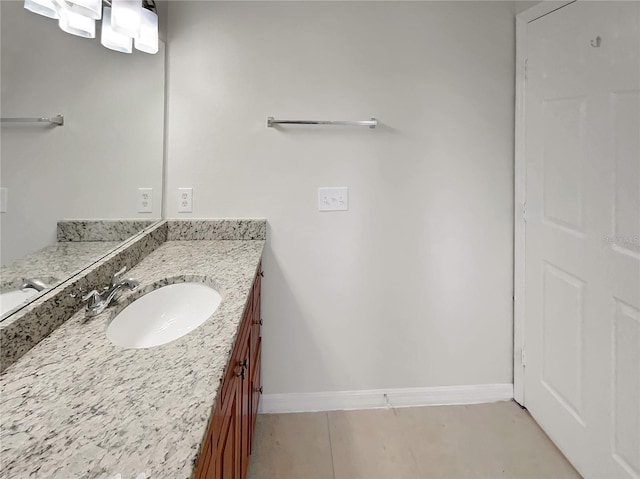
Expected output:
(498, 440)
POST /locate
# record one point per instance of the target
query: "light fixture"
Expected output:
(77, 24)
(126, 17)
(45, 8)
(112, 39)
(147, 41)
(122, 21)
(88, 8)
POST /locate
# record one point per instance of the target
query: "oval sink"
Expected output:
(163, 315)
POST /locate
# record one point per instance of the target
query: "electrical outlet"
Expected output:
(185, 200)
(4, 200)
(333, 199)
(145, 200)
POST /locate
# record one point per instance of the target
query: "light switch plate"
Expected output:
(333, 199)
(185, 200)
(145, 200)
(4, 200)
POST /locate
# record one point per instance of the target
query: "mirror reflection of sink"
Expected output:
(14, 298)
(163, 315)
(18, 291)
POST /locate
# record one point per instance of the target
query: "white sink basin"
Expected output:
(14, 298)
(163, 315)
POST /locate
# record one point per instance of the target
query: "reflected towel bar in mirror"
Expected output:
(271, 122)
(54, 120)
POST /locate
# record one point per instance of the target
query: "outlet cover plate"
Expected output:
(333, 199)
(145, 200)
(185, 200)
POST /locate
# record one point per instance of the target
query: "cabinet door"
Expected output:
(245, 406)
(227, 452)
(256, 391)
(205, 464)
(256, 333)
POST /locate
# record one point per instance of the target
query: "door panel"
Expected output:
(564, 135)
(626, 117)
(562, 338)
(626, 388)
(557, 230)
(582, 254)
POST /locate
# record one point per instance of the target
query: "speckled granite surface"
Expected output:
(77, 406)
(57, 260)
(53, 263)
(223, 229)
(100, 230)
(24, 329)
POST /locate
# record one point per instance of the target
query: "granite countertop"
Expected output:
(57, 261)
(52, 264)
(77, 406)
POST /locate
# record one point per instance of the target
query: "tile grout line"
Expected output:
(333, 468)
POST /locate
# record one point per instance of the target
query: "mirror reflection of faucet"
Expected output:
(98, 302)
(33, 283)
(27, 291)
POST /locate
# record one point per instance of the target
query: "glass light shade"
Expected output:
(126, 17)
(88, 8)
(147, 41)
(45, 8)
(76, 24)
(111, 39)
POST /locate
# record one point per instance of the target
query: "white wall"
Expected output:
(111, 143)
(522, 5)
(412, 287)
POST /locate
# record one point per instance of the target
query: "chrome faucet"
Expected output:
(98, 302)
(33, 283)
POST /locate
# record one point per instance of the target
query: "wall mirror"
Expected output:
(91, 168)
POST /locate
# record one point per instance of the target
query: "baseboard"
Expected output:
(383, 398)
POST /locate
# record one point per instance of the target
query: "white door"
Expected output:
(582, 250)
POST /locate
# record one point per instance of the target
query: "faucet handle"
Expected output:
(116, 276)
(92, 298)
(90, 294)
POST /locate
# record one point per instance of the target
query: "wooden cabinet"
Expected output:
(255, 351)
(227, 444)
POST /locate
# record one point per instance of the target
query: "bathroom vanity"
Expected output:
(227, 444)
(76, 405)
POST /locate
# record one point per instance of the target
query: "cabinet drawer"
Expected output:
(256, 323)
(257, 287)
(256, 299)
(236, 359)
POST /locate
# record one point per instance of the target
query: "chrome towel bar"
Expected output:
(55, 120)
(271, 122)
